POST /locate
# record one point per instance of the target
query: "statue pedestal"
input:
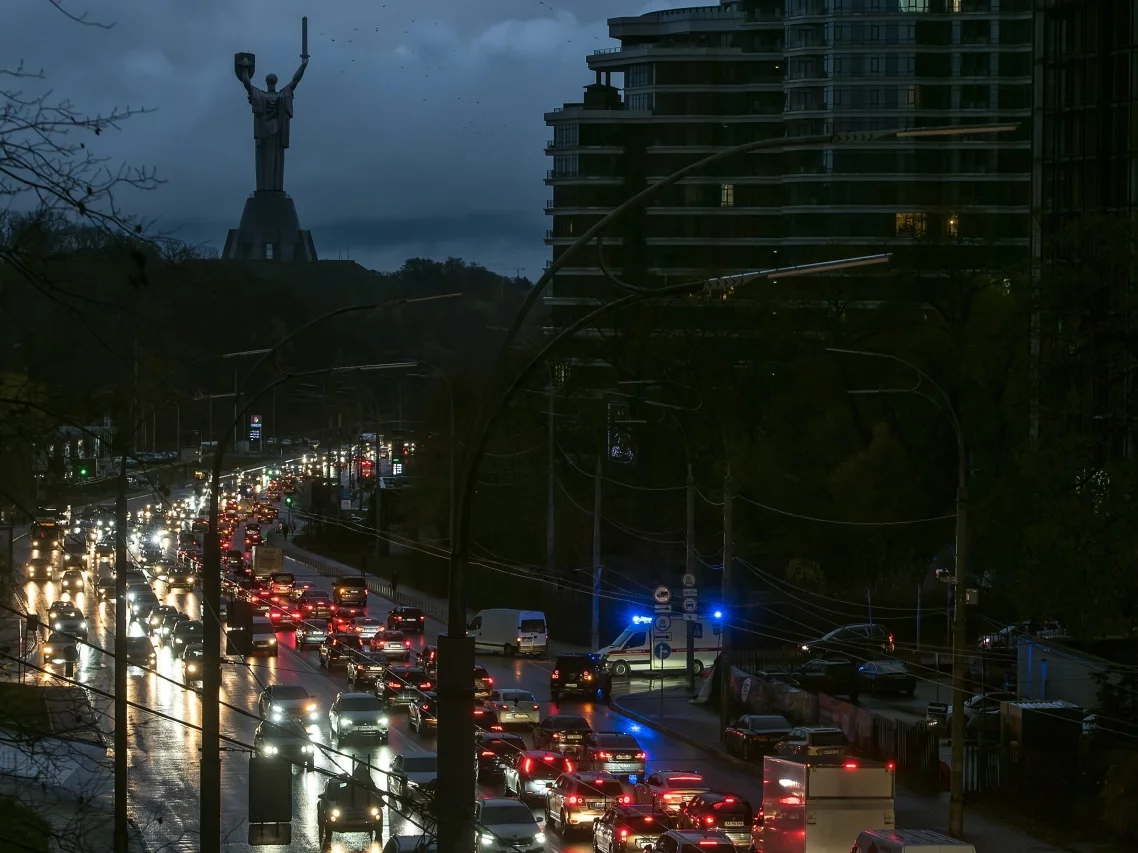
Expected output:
(269, 231)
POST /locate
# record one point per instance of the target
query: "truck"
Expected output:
(821, 808)
(266, 560)
(633, 649)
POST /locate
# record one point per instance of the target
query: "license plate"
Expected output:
(517, 716)
(599, 804)
(732, 823)
(623, 758)
(573, 685)
(828, 751)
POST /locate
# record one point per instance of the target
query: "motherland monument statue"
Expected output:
(270, 228)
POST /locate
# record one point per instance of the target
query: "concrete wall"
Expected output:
(1047, 671)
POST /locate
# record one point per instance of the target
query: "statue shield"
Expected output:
(246, 62)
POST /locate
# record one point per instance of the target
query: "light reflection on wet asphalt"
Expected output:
(164, 755)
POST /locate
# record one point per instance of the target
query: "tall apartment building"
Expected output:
(1085, 189)
(685, 83)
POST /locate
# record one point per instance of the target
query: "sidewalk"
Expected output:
(698, 725)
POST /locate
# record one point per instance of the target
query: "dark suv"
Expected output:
(576, 674)
(627, 828)
(409, 620)
(835, 677)
(339, 648)
(854, 642)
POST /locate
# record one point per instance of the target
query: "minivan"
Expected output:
(511, 632)
(908, 841)
(636, 647)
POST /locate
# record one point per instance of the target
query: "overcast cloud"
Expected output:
(418, 128)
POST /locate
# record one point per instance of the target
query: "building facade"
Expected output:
(687, 83)
(1085, 191)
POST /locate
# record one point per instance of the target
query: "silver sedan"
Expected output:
(515, 707)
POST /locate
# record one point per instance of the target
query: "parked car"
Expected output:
(834, 677)
(853, 642)
(814, 743)
(754, 735)
(883, 677)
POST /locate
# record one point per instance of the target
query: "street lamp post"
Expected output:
(960, 580)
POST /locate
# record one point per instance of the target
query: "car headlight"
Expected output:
(306, 748)
(272, 641)
(335, 812)
(271, 750)
(374, 811)
(59, 626)
(539, 838)
(191, 667)
(487, 840)
(383, 721)
(276, 713)
(83, 625)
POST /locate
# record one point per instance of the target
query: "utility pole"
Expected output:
(595, 634)
(550, 507)
(724, 665)
(121, 623)
(689, 568)
(956, 791)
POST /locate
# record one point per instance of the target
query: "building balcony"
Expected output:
(616, 59)
(552, 176)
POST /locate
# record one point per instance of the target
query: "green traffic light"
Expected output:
(82, 472)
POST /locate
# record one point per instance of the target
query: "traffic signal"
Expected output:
(288, 499)
(83, 469)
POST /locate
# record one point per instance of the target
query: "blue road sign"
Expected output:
(663, 651)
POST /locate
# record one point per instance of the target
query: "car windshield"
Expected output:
(289, 691)
(827, 739)
(421, 764)
(505, 814)
(361, 703)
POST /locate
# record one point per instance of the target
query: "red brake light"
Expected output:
(640, 756)
(709, 844)
(648, 818)
(422, 618)
(426, 685)
(574, 800)
(528, 765)
(729, 800)
(556, 673)
(709, 820)
(625, 800)
(406, 644)
(488, 680)
(850, 765)
(604, 756)
(890, 766)
(535, 707)
(624, 832)
(548, 757)
(488, 754)
(393, 684)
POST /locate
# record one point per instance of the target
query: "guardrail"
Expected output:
(376, 586)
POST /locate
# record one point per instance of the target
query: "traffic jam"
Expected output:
(549, 774)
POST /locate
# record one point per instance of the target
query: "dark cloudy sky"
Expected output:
(418, 126)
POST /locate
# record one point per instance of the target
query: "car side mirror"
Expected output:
(319, 796)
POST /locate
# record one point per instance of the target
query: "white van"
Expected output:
(511, 632)
(908, 841)
(633, 649)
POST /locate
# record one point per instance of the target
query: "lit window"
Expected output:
(912, 224)
(269, 251)
(952, 225)
(726, 195)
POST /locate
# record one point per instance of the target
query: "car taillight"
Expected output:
(535, 707)
(604, 756)
(850, 765)
(422, 618)
(556, 674)
(588, 676)
(673, 796)
(487, 754)
(527, 766)
(557, 735)
(426, 685)
(640, 756)
(625, 800)
(574, 800)
(393, 685)
(709, 820)
(406, 644)
(624, 834)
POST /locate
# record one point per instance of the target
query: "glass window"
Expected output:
(726, 195)
(952, 225)
(912, 224)
(635, 640)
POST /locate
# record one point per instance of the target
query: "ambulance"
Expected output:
(643, 647)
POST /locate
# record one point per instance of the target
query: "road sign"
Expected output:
(662, 651)
(663, 622)
(689, 592)
(661, 595)
(688, 579)
(691, 617)
(663, 608)
(690, 605)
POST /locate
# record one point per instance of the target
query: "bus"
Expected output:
(47, 534)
